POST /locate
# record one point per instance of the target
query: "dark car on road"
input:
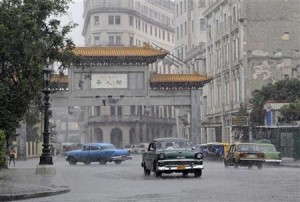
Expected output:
(168, 155)
(244, 154)
(98, 152)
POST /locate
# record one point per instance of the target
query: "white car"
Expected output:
(143, 147)
(132, 148)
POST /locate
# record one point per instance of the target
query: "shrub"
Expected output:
(3, 157)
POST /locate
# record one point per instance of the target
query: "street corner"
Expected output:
(35, 193)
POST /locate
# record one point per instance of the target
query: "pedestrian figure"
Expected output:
(12, 156)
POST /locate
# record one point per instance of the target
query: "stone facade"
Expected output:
(250, 43)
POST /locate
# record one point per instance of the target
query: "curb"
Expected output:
(12, 197)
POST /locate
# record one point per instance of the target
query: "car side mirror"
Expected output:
(151, 149)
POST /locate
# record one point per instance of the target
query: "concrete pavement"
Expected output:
(21, 181)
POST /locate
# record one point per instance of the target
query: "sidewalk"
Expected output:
(290, 162)
(21, 182)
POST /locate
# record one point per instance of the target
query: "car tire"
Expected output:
(198, 172)
(146, 171)
(72, 161)
(157, 173)
(259, 166)
(87, 162)
(102, 161)
(225, 164)
(185, 174)
(118, 162)
(235, 164)
(250, 166)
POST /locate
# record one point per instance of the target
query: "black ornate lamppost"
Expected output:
(46, 158)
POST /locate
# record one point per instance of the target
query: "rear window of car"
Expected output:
(247, 148)
(267, 148)
(108, 147)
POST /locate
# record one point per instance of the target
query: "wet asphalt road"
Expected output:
(126, 182)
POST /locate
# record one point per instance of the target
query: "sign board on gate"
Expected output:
(239, 120)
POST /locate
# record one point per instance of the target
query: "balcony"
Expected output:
(130, 118)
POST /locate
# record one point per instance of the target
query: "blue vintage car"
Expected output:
(98, 152)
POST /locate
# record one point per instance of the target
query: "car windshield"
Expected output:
(174, 145)
(267, 148)
(247, 148)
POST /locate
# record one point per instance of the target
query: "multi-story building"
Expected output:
(190, 38)
(250, 43)
(132, 23)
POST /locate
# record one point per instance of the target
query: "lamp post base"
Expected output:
(46, 160)
(45, 169)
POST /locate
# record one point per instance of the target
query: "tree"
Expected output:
(283, 90)
(291, 112)
(31, 38)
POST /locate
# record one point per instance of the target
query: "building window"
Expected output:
(180, 8)
(111, 40)
(112, 111)
(131, 40)
(114, 40)
(114, 20)
(202, 24)
(119, 110)
(185, 28)
(96, 40)
(131, 20)
(118, 40)
(117, 20)
(132, 110)
(97, 110)
(181, 30)
(111, 19)
(96, 20)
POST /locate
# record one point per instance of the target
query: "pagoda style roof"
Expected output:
(120, 55)
(178, 81)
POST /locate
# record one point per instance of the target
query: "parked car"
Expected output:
(213, 150)
(142, 147)
(69, 146)
(98, 152)
(272, 156)
(168, 155)
(244, 154)
(132, 148)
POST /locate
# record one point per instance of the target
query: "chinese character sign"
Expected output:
(109, 81)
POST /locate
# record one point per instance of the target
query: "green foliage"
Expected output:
(291, 112)
(31, 38)
(283, 90)
(2, 149)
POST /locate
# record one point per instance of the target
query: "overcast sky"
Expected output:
(75, 14)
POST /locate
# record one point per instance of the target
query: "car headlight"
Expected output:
(198, 156)
(161, 156)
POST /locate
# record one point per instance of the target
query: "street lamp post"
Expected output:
(46, 164)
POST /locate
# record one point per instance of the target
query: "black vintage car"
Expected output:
(168, 155)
